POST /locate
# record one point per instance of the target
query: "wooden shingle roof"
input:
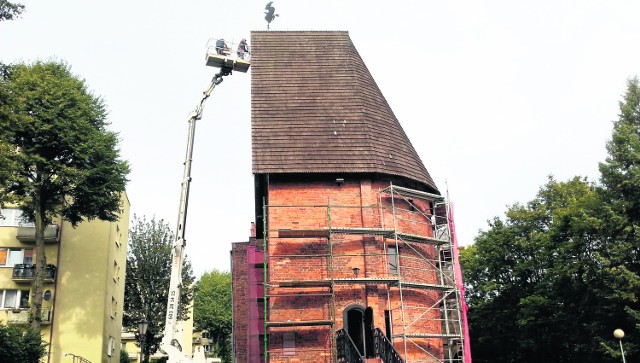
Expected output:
(316, 109)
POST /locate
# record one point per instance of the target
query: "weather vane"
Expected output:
(270, 14)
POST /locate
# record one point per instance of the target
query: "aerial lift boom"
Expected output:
(170, 341)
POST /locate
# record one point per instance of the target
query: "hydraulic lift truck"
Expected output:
(170, 345)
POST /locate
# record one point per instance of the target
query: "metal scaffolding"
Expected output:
(400, 247)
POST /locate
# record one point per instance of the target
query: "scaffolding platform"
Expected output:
(302, 283)
(385, 232)
(428, 336)
(326, 232)
(301, 294)
(276, 324)
(420, 239)
(426, 286)
(364, 231)
(367, 280)
(412, 193)
(303, 233)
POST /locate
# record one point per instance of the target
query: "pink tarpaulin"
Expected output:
(255, 291)
(460, 285)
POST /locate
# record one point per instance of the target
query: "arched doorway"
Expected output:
(358, 323)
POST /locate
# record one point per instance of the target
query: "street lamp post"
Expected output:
(143, 325)
(619, 334)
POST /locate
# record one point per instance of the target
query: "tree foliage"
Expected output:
(124, 356)
(20, 345)
(527, 277)
(10, 11)
(62, 153)
(148, 275)
(552, 280)
(57, 157)
(620, 187)
(212, 310)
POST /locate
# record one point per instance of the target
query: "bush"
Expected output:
(124, 356)
(20, 345)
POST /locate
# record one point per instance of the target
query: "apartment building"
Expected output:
(84, 284)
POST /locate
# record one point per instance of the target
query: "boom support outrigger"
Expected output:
(170, 343)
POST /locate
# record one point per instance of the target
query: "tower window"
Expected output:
(392, 256)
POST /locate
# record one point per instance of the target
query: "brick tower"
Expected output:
(351, 258)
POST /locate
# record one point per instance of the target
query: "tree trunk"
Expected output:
(41, 264)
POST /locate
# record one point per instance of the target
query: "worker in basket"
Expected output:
(243, 48)
(222, 47)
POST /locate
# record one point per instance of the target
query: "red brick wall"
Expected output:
(240, 308)
(311, 344)
(353, 204)
(241, 299)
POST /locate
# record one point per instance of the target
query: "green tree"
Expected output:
(147, 282)
(212, 310)
(20, 345)
(553, 280)
(58, 158)
(536, 280)
(620, 178)
(10, 11)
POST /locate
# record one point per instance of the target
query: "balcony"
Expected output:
(201, 341)
(27, 233)
(21, 316)
(27, 273)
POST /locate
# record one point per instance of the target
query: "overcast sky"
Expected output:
(494, 95)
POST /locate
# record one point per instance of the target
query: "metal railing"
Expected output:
(384, 348)
(28, 271)
(229, 49)
(77, 358)
(347, 350)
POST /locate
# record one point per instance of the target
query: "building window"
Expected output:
(16, 256)
(28, 256)
(114, 307)
(289, 343)
(112, 346)
(392, 255)
(11, 217)
(24, 298)
(10, 257)
(116, 271)
(412, 207)
(10, 299)
(117, 240)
